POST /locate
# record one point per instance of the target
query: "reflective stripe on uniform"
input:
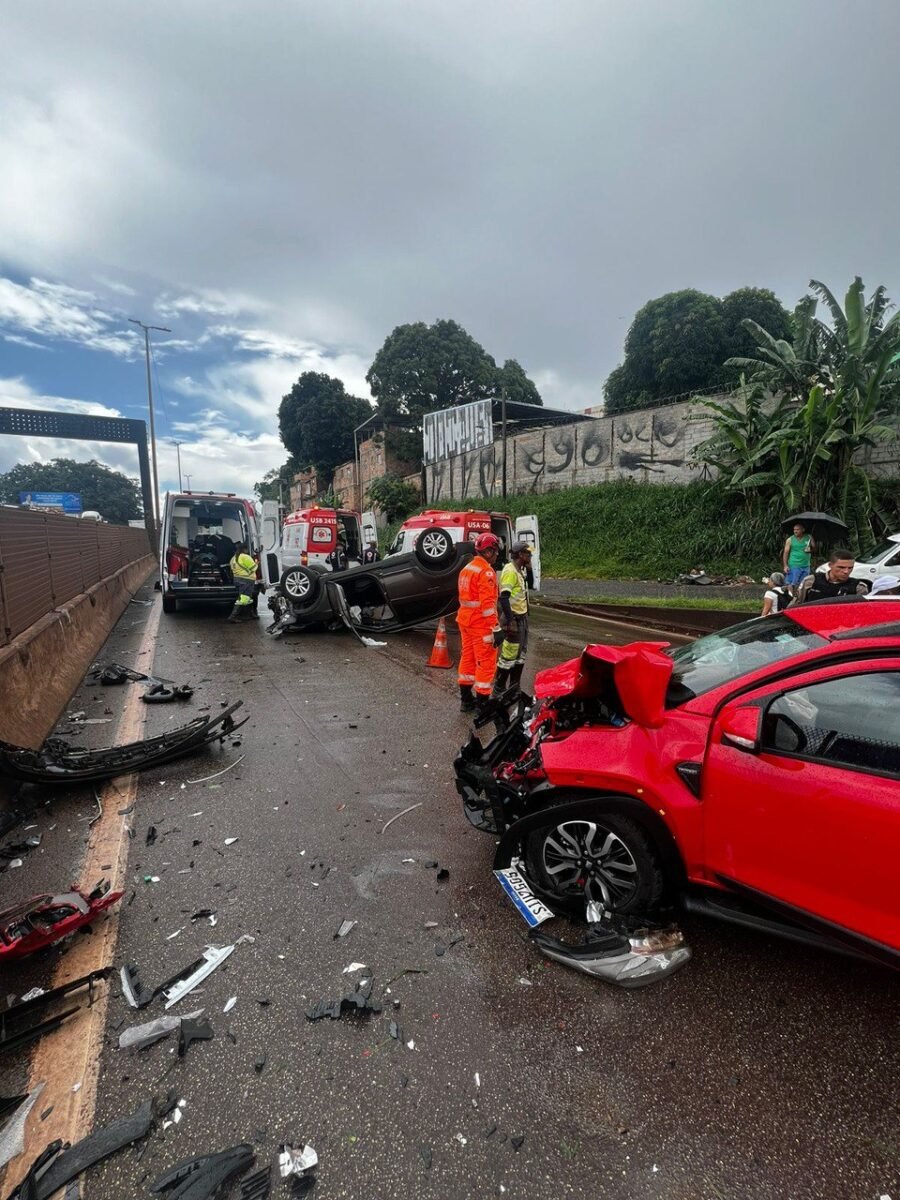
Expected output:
(488, 612)
(468, 604)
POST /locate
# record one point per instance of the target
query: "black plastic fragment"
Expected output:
(302, 1184)
(27, 1189)
(443, 874)
(517, 1142)
(258, 1063)
(142, 996)
(258, 1186)
(205, 1177)
(356, 1003)
(94, 1148)
(151, 835)
(198, 1030)
(427, 1156)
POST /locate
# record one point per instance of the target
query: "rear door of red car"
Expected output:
(801, 797)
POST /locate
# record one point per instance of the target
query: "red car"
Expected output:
(754, 774)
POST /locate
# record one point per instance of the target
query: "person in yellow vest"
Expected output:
(513, 608)
(243, 572)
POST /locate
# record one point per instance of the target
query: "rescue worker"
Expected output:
(243, 573)
(513, 607)
(479, 628)
(370, 554)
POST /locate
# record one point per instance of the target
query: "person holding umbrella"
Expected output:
(796, 557)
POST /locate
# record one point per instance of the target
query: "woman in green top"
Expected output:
(797, 555)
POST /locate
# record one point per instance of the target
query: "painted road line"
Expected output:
(70, 1057)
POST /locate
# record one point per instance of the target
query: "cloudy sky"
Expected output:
(283, 182)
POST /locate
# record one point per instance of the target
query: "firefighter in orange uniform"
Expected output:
(479, 628)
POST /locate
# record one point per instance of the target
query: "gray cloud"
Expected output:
(535, 170)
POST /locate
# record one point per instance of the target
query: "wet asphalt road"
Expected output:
(762, 1070)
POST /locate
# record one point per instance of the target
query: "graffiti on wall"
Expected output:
(646, 444)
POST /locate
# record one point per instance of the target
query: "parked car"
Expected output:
(753, 774)
(884, 560)
(439, 526)
(396, 593)
(198, 539)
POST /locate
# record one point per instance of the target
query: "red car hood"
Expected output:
(639, 673)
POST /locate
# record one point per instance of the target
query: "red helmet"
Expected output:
(487, 541)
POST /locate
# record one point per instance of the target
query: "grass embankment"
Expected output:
(698, 603)
(644, 531)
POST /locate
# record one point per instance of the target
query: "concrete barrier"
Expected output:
(41, 668)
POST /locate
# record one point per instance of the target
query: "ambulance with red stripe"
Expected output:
(439, 530)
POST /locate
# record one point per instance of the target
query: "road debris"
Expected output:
(58, 762)
(193, 1029)
(258, 1186)
(359, 1003)
(354, 966)
(401, 814)
(132, 989)
(296, 1162)
(206, 778)
(622, 950)
(42, 920)
(12, 1139)
(206, 1176)
(229, 1004)
(344, 928)
(193, 975)
(140, 1037)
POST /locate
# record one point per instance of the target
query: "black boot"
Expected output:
(483, 706)
(501, 683)
(235, 614)
(466, 699)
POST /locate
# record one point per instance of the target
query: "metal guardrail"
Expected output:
(47, 559)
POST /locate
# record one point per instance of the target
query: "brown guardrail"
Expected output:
(47, 559)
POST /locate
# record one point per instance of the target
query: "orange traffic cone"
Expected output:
(440, 655)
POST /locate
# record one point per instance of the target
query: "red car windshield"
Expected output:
(740, 650)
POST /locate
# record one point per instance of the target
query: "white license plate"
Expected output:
(532, 910)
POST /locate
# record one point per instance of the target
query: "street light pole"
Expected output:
(178, 446)
(146, 329)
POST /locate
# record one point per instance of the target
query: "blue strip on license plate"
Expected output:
(531, 909)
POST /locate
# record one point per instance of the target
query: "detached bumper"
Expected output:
(491, 805)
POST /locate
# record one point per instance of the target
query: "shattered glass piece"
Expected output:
(230, 841)
(94, 1148)
(229, 1004)
(344, 928)
(296, 1162)
(354, 966)
(139, 1037)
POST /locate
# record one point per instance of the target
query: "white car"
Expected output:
(884, 560)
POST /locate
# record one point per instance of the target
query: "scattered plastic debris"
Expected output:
(194, 974)
(205, 1176)
(358, 1003)
(354, 966)
(193, 1029)
(229, 1004)
(401, 814)
(12, 1139)
(230, 841)
(139, 1037)
(92, 1150)
(371, 643)
(258, 1186)
(296, 1162)
(344, 928)
(620, 950)
(133, 990)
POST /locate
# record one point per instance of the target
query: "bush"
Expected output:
(394, 496)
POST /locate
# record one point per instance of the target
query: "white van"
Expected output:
(198, 539)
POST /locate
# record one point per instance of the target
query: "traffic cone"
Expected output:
(440, 655)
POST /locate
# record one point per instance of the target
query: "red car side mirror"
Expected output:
(740, 728)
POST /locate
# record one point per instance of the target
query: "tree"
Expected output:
(110, 493)
(316, 420)
(394, 496)
(680, 342)
(422, 368)
(838, 389)
(276, 484)
(518, 387)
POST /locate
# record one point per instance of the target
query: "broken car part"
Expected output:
(94, 1148)
(139, 1037)
(161, 693)
(296, 1162)
(45, 919)
(258, 1186)
(59, 762)
(193, 1029)
(186, 980)
(12, 1139)
(204, 1177)
(358, 1003)
(133, 990)
(619, 950)
(27, 1189)
(10, 1018)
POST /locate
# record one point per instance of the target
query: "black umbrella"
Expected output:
(819, 524)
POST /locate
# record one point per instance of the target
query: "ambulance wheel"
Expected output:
(434, 548)
(301, 586)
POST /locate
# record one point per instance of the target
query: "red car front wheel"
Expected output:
(605, 858)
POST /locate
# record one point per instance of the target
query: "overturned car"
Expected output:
(396, 593)
(753, 775)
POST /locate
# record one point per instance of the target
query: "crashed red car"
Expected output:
(753, 774)
(42, 920)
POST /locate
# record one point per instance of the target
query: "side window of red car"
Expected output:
(852, 721)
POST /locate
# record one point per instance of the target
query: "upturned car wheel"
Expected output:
(609, 859)
(434, 548)
(301, 586)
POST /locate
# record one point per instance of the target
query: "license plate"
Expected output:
(532, 910)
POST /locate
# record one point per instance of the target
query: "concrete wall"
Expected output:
(650, 446)
(41, 667)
